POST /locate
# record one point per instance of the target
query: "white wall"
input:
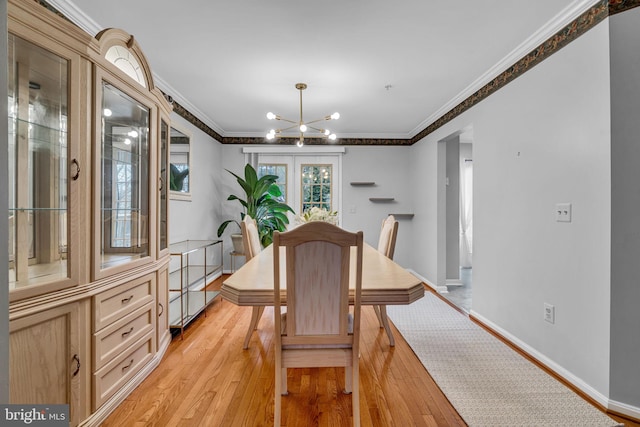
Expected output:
(234, 161)
(200, 217)
(424, 174)
(541, 140)
(388, 168)
(625, 250)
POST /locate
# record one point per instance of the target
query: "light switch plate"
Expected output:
(549, 313)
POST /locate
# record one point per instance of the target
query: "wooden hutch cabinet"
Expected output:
(88, 214)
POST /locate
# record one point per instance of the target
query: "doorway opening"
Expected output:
(456, 207)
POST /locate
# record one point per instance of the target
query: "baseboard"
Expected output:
(438, 289)
(454, 282)
(210, 279)
(624, 409)
(567, 376)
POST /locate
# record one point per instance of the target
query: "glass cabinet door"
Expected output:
(163, 237)
(38, 87)
(124, 188)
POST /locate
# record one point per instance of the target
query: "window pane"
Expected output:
(316, 187)
(280, 170)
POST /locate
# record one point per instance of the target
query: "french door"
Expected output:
(305, 180)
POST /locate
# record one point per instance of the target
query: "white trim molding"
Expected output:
(598, 397)
(438, 289)
(564, 18)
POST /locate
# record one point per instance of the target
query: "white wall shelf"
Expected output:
(402, 215)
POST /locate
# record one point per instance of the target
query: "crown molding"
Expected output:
(75, 15)
(185, 108)
(192, 110)
(564, 18)
(576, 19)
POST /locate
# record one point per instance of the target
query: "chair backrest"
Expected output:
(387, 239)
(250, 237)
(318, 259)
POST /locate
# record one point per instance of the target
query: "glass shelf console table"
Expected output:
(194, 264)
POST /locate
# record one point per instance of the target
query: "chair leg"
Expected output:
(277, 402)
(376, 308)
(256, 313)
(355, 396)
(283, 382)
(348, 379)
(385, 323)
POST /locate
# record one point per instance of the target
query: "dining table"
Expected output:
(384, 282)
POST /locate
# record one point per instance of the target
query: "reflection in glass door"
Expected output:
(125, 178)
(37, 169)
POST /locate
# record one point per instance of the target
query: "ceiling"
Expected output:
(390, 68)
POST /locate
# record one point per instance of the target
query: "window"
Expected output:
(280, 170)
(316, 186)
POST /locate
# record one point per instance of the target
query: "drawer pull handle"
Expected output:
(126, 300)
(124, 334)
(77, 360)
(161, 309)
(124, 368)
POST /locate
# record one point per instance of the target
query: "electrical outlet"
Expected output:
(549, 313)
(563, 212)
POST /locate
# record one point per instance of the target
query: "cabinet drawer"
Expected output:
(116, 303)
(118, 337)
(116, 373)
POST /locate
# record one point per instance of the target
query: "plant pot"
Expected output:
(238, 246)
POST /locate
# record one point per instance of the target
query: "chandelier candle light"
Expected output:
(301, 125)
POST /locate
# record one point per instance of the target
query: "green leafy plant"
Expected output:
(177, 177)
(260, 203)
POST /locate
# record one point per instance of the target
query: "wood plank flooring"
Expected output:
(208, 380)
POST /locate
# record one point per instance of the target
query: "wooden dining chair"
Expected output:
(317, 329)
(252, 247)
(387, 246)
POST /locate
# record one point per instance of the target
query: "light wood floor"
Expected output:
(208, 380)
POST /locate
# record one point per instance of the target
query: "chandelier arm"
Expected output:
(318, 130)
(319, 120)
(286, 129)
(287, 120)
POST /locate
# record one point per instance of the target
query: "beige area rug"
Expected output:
(487, 382)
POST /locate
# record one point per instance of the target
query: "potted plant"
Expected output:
(260, 203)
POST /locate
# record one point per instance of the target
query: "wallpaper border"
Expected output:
(596, 14)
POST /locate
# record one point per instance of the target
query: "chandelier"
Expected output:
(300, 124)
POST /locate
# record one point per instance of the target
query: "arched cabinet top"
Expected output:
(120, 49)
